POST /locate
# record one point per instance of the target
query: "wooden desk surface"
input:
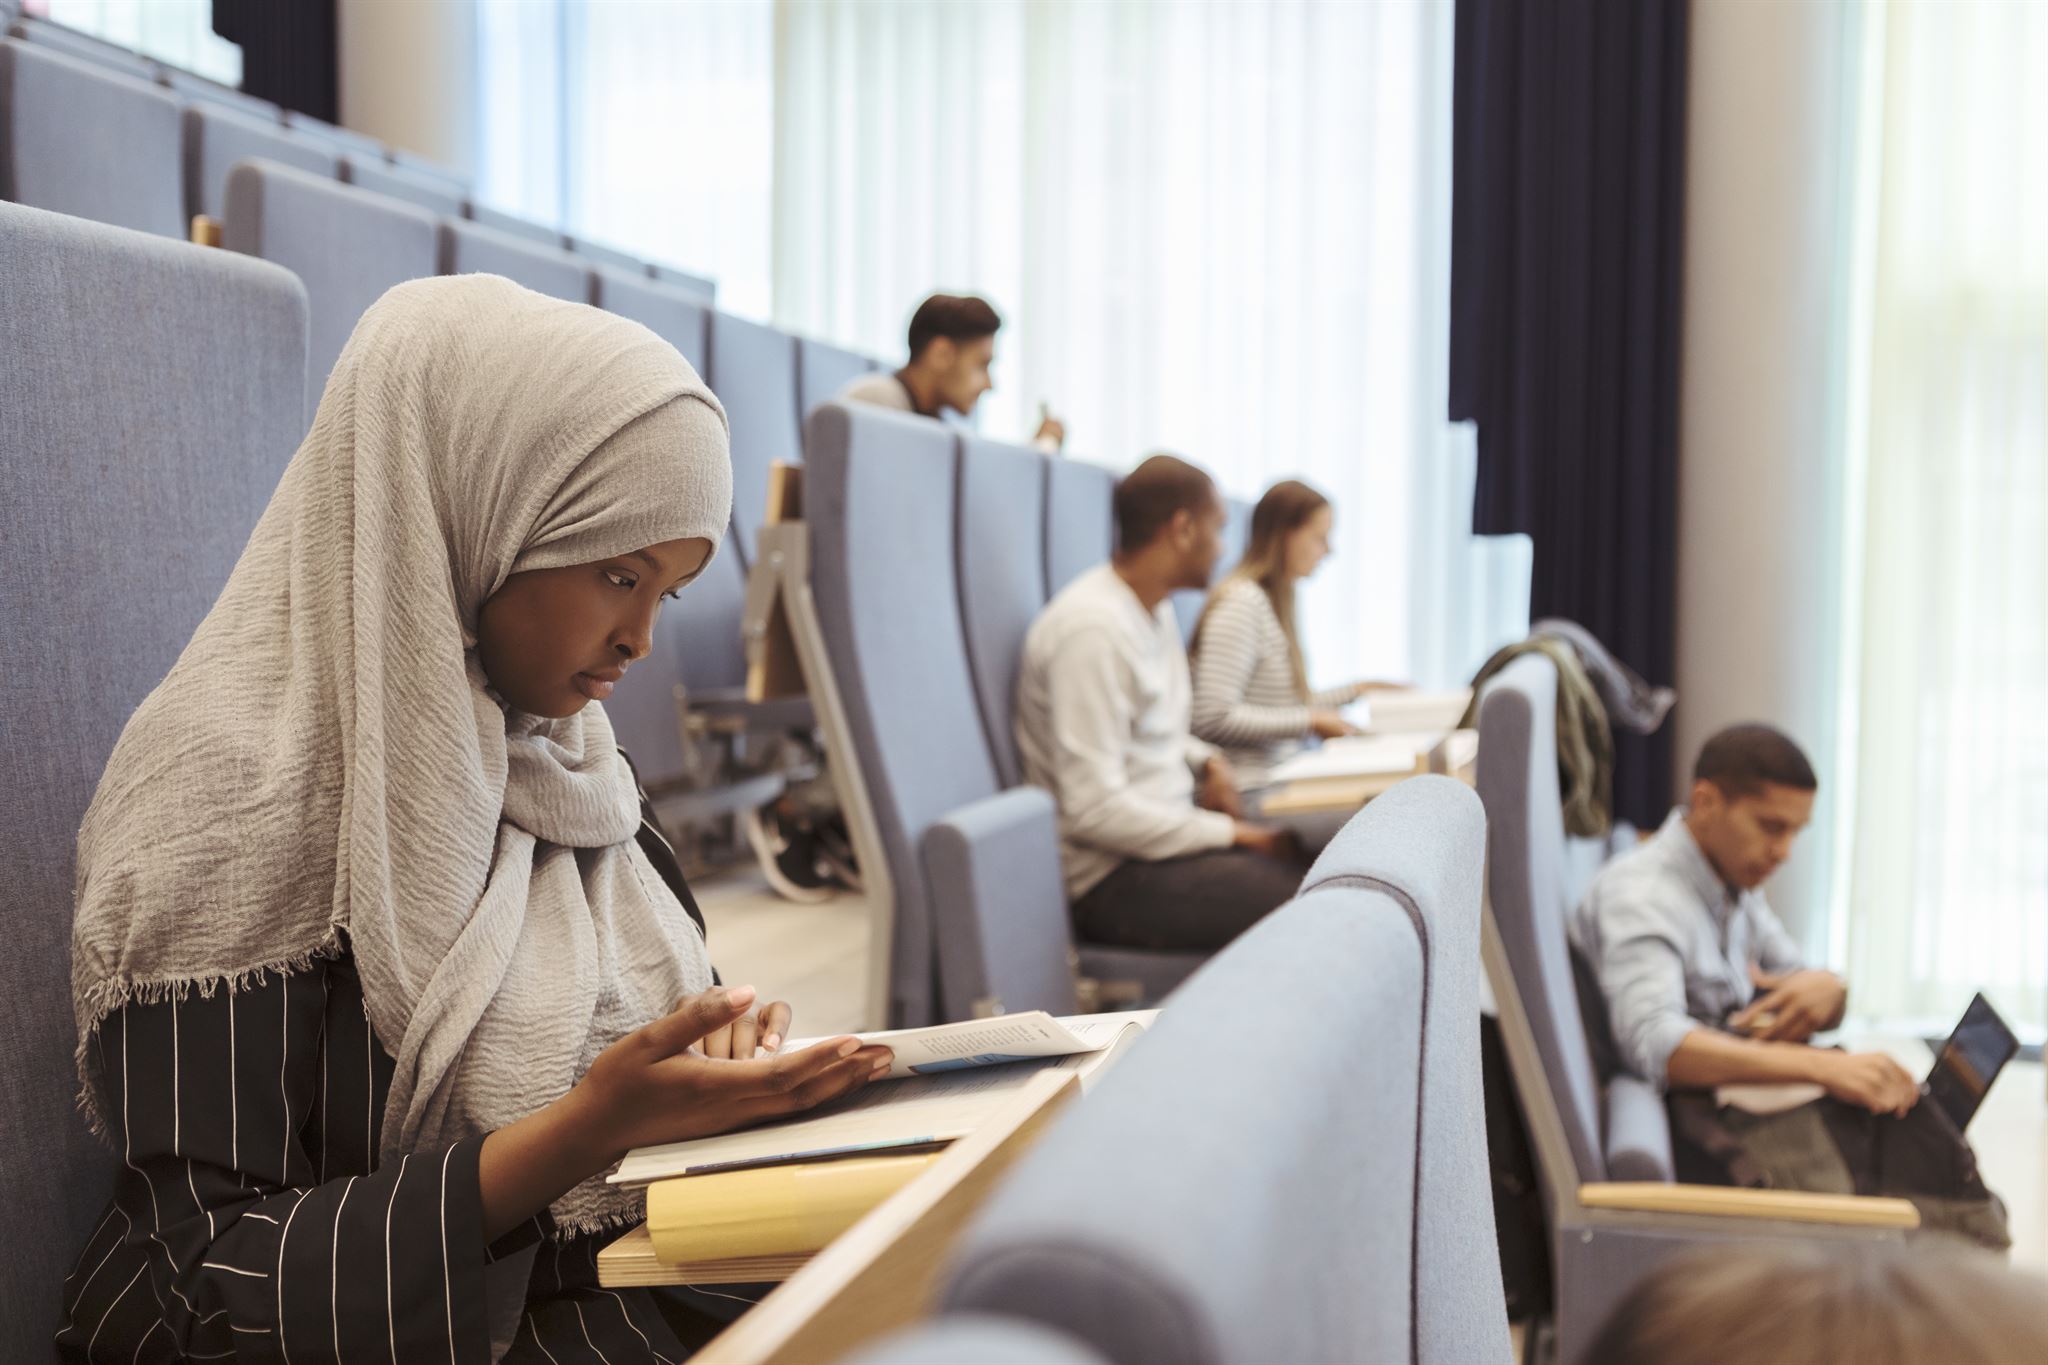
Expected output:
(1323, 795)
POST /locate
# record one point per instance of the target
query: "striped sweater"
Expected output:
(1245, 700)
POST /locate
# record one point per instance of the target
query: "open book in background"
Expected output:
(1410, 711)
(974, 1071)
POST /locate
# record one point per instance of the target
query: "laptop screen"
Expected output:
(1969, 1061)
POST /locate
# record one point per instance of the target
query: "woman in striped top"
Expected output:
(367, 883)
(1251, 693)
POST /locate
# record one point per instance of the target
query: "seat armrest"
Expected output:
(1638, 1132)
(1791, 1206)
(999, 910)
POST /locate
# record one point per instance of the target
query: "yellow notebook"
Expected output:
(772, 1210)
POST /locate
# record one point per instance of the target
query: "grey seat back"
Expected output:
(1079, 525)
(1530, 890)
(199, 90)
(89, 141)
(701, 285)
(1423, 844)
(470, 249)
(512, 224)
(345, 141)
(879, 497)
(753, 372)
(1224, 1195)
(1000, 548)
(217, 137)
(84, 47)
(599, 254)
(380, 177)
(824, 370)
(150, 400)
(345, 245)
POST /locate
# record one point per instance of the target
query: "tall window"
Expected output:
(176, 31)
(643, 124)
(1218, 227)
(1948, 663)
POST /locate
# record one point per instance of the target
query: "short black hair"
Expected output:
(957, 317)
(1742, 759)
(1149, 495)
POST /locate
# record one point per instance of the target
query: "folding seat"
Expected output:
(468, 248)
(600, 254)
(84, 47)
(700, 285)
(347, 245)
(216, 137)
(1330, 1201)
(753, 372)
(381, 177)
(89, 141)
(199, 90)
(151, 397)
(1079, 526)
(512, 224)
(824, 370)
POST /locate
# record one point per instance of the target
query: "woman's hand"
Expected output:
(764, 1029)
(1331, 725)
(658, 1084)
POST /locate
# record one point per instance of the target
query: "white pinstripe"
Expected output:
(283, 1233)
(110, 1310)
(334, 1272)
(390, 1311)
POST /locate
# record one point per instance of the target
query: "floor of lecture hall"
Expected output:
(813, 956)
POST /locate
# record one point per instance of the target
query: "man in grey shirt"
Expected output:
(952, 345)
(1703, 985)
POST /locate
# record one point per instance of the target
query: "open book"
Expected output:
(954, 1077)
(1410, 710)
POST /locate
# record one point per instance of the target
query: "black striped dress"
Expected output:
(252, 1218)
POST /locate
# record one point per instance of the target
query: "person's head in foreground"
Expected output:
(1752, 794)
(1169, 523)
(1821, 1303)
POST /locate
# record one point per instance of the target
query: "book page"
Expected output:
(919, 1111)
(1354, 756)
(989, 1042)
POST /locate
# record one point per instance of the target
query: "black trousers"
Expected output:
(1197, 903)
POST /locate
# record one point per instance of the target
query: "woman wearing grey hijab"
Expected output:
(377, 967)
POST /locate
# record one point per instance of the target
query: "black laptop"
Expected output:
(1969, 1062)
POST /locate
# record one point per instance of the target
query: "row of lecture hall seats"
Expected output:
(933, 550)
(151, 396)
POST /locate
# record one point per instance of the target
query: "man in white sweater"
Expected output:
(1150, 859)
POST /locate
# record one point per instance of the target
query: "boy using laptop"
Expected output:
(1704, 988)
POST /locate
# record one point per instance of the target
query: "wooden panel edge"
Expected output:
(1796, 1206)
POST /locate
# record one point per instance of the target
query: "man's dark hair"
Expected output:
(1150, 494)
(957, 317)
(1743, 758)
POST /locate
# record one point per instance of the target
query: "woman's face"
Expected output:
(1308, 544)
(554, 640)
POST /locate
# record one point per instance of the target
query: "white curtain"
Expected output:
(1213, 226)
(1216, 228)
(1948, 671)
(643, 124)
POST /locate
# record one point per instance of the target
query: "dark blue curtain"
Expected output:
(290, 51)
(1567, 209)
